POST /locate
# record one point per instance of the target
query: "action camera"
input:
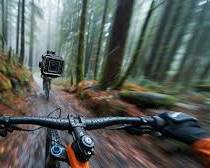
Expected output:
(51, 65)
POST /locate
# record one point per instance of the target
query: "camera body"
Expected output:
(51, 65)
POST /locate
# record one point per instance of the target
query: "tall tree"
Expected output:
(177, 39)
(171, 27)
(3, 23)
(49, 29)
(70, 21)
(158, 37)
(181, 73)
(198, 46)
(58, 25)
(6, 22)
(90, 41)
(204, 73)
(79, 61)
(138, 48)
(100, 38)
(22, 46)
(31, 47)
(113, 62)
(18, 28)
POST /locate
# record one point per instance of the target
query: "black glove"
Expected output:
(180, 126)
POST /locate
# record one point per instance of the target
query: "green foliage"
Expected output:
(3, 100)
(23, 75)
(5, 83)
(3, 68)
(11, 70)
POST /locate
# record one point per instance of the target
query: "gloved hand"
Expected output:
(180, 126)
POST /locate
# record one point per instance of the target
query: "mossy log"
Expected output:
(22, 75)
(202, 88)
(148, 99)
(3, 68)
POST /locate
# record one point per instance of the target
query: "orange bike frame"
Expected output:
(74, 162)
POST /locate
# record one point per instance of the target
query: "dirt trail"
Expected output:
(106, 154)
(113, 149)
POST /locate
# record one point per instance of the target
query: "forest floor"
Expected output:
(112, 149)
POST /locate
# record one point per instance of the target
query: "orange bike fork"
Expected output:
(74, 162)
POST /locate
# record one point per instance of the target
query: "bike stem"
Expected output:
(83, 144)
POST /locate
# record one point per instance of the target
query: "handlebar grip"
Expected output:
(54, 123)
(97, 123)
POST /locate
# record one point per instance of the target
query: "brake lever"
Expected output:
(3, 132)
(138, 130)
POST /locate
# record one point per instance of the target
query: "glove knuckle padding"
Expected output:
(177, 117)
(182, 127)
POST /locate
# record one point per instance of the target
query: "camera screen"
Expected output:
(54, 66)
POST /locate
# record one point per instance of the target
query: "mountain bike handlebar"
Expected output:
(83, 144)
(82, 147)
(70, 122)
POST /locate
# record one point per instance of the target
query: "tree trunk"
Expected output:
(89, 43)
(158, 37)
(18, 29)
(57, 38)
(177, 41)
(3, 22)
(49, 30)
(100, 38)
(22, 46)
(204, 73)
(10, 54)
(166, 41)
(198, 46)
(89, 52)
(6, 23)
(113, 62)
(79, 62)
(31, 48)
(198, 56)
(138, 49)
(182, 71)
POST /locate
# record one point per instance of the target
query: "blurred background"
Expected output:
(166, 41)
(121, 46)
(173, 36)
